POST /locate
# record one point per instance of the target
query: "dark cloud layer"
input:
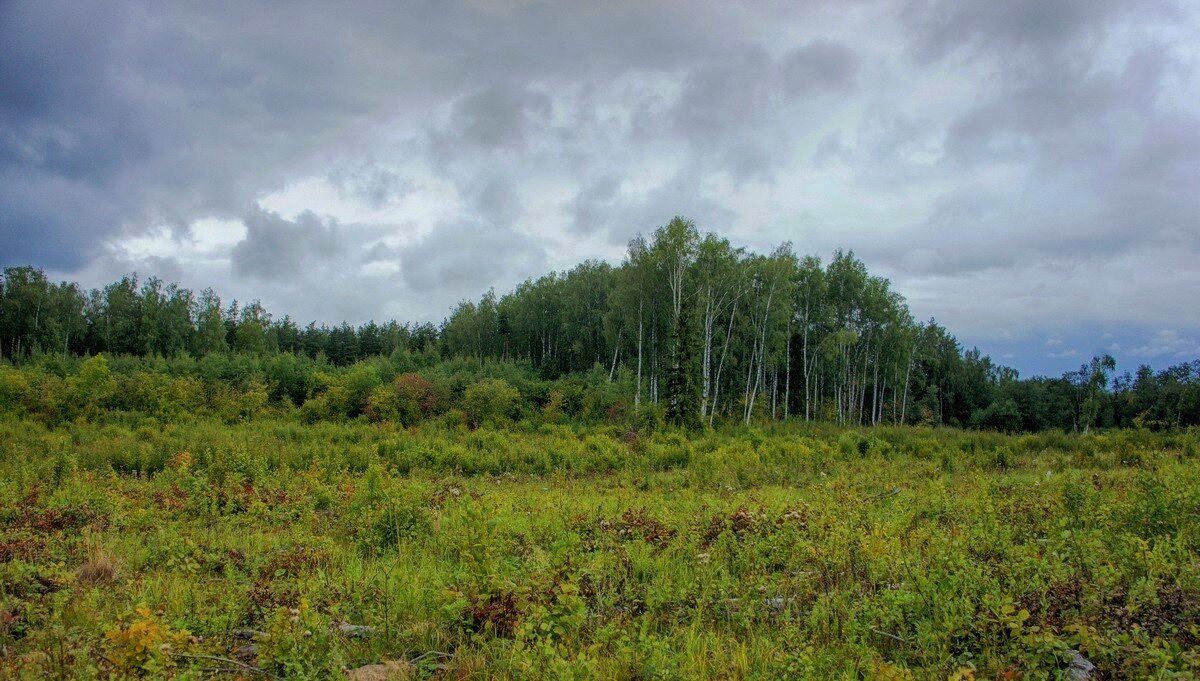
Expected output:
(466, 258)
(398, 156)
(275, 248)
(819, 66)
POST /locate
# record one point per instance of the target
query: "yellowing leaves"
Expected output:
(144, 645)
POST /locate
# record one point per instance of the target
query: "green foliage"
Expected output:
(683, 390)
(93, 387)
(407, 400)
(144, 645)
(299, 644)
(554, 550)
(14, 388)
(689, 323)
(1003, 415)
(173, 471)
(489, 400)
(383, 520)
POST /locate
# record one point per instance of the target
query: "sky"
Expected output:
(1027, 172)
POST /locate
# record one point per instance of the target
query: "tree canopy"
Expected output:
(688, 321)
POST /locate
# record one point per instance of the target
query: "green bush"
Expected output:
(491, 399)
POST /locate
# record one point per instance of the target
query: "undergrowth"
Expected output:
(200, 548)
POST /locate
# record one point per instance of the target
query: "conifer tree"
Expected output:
(683, 388)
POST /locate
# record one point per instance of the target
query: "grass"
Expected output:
(198, 549)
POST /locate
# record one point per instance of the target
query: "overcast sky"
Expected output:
(1025, 171)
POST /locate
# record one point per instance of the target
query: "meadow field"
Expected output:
(276, 549)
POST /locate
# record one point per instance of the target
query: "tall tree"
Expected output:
(682, 387)
(210, 325)
(719, 285)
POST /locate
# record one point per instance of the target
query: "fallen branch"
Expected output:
(432, 653)
(355, 630)
(882, 495)
(891, 636)
(219, 670)
(225, 660)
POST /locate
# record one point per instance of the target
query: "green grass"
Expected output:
(554, 551)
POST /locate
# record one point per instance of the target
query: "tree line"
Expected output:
(150, 317)
(688, 324)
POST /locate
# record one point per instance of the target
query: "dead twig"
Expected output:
(238, 664)
(891, 636)
(431, 654)
(882, 495)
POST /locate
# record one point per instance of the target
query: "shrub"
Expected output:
(358, 383)
(1003, 415)
(490, 399)
(853, 444)
(552, 411)
(381, 405)
(650, 418)
(406, 400)
(13, 387)
(415, 398)
(392, 522)
(299, 644)
(93, 386)
(143, 645)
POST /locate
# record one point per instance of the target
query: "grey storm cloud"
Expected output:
(275, 248)
(593, 200)
(408, 154)
(602, 207)
(465, 258)
(499, 116)
(369, 183)
(137, 115)
(820, 66)
(1009, 29)
(494, 198)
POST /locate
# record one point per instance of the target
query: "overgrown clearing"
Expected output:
(550, 551)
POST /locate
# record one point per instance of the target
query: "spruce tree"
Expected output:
(683, 390)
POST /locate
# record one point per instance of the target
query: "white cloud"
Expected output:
(1169, 343)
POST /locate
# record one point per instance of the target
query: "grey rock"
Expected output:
(1081, 668)
(392, 669)
(246, 652)
(355, 630)
(777, 603)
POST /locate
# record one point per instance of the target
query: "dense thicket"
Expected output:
(687, 322)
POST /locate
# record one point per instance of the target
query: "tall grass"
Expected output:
(546, 550)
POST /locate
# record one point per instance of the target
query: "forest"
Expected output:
(690, 327)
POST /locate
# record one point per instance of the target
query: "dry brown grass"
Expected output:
(395, 670)
(100, 568)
